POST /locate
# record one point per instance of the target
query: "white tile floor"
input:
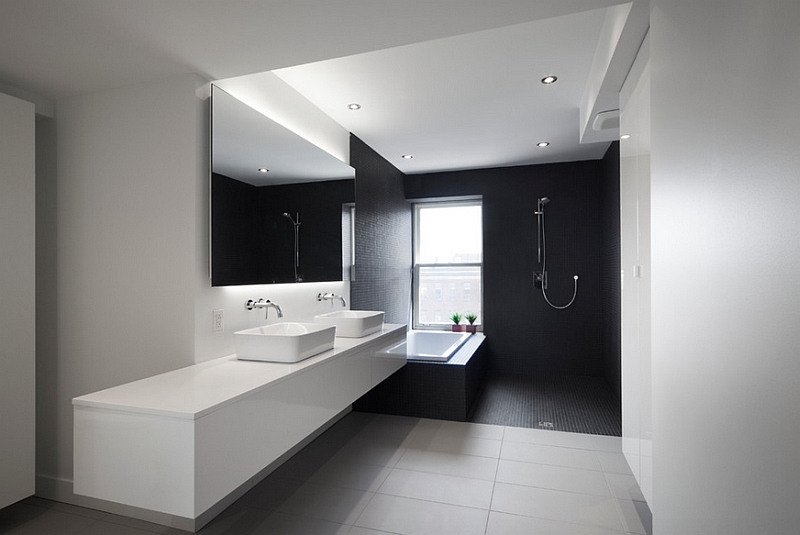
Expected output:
(381, 475)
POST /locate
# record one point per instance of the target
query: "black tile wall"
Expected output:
(235, 254)
(610, 282)
(382, 235)
(524, 334)
(253, 243)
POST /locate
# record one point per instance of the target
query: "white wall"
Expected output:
(726, 257)
(17, 299)
(636, 272)
(126, 164)
(127, 294)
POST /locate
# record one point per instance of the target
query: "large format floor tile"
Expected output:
(553, 477)
(449, 464)
(557, 505)
(506, 524)
(438, 488)
(386, 475)
(558, 456)
(417, 517)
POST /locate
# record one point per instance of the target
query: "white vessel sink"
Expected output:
(353, 323)
(284, 342)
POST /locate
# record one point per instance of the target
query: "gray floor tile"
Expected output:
(386, 475)
(549, 438)
(449, 464)
(614, 462)
(102, 527)
(64, 507)
(555, 455)
(624, 486)
(416, 517)
(139, 525)
(507, 524)
(270, 493)
(636, 517)
(439, 488)
(23, 519)
(556, 505)
(350, 475)
(333, 504)
(553, 477)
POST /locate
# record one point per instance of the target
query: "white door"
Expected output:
(17, 299)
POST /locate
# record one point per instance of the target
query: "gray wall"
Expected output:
(17, 297)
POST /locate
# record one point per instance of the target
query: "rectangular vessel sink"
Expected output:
(284, 342)
(353, 323)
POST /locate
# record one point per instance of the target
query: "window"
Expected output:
(448, 259)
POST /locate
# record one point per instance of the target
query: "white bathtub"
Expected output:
(436, 346)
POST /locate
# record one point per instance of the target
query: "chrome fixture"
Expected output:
(266, 304)
(296, 243)
(331, 296)
(540, 277)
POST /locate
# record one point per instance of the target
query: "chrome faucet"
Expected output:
(331, 296)
(266, 304)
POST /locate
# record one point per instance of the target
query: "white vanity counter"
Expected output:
(184, 444)
(195, 391)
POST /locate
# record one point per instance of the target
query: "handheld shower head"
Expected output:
(544, 200)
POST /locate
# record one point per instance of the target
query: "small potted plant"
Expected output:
(470, 317)
(456, 319)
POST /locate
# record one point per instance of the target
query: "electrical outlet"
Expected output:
(219, 320)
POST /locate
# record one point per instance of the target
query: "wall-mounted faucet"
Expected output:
(331, 296)
(266, 304)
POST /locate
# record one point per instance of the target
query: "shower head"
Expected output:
(290, 218)
(544, 200)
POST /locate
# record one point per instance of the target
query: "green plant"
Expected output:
(470, 317)
(455, 317)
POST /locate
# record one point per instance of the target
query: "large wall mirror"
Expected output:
(280, 206)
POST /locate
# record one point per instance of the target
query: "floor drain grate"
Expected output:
(546, 425)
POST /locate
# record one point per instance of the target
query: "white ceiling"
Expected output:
(486, 103)
(465, 102)
(245, 141)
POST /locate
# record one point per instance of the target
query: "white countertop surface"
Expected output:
(194, 391)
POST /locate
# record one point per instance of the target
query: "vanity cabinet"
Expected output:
(179, 447)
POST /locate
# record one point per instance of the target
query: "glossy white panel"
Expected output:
(636, 269)
(234, 443)
(385, 364)
(135, 459)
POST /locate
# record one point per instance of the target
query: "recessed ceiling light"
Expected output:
(407, 156)
(547, 80)
(263, 170)
(354, 106)
(625, 136)
(542, 144)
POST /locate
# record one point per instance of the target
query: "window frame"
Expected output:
(417, 206)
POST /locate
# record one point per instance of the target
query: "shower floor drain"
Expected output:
(545, 425)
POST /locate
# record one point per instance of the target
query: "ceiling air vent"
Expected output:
(606, 120)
